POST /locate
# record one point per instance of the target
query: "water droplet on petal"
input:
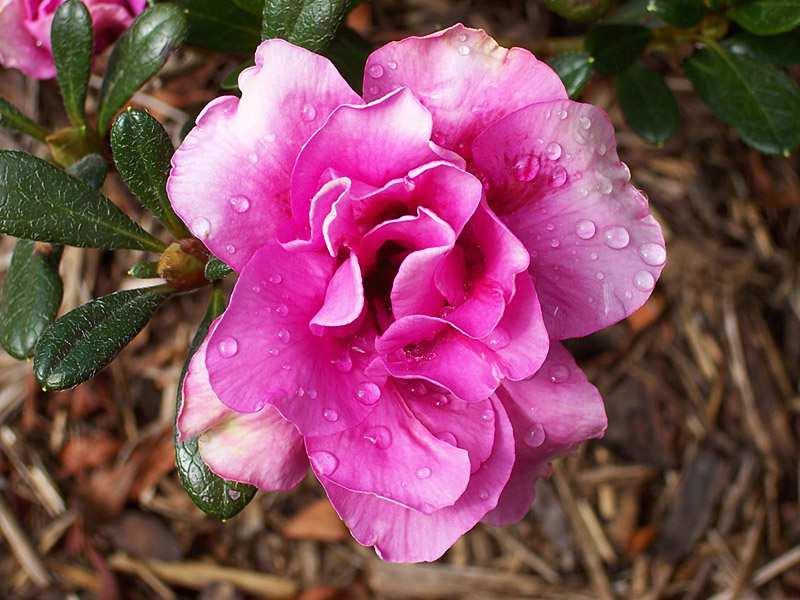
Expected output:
(419, 389)
(368, 393)
(554, 243)
(487, 416)
(534, 437)
(447, 437)
(599, 276)
(343, 363)
(286, 367)
(324, 462)
(392, 65)
(585, 229)
(201, 228)
(228, 347)
(309, 113)
(284, 336)
(240, 204)
(558, 373)
(563, 115)
(553, 151)
(440, 400)
(616, 237)
(644, 280)
(282, 310)
(423, 472)
(312, 393)
(526, 168)
(375, 71)
(602, 149)
(230, 249)
(604, 185)
(653, 254)
(275, 278)
(558, 177)
(498, 339)
(330, 415)
(484, 495)
(594, 256)
(379, 436)
(273, 351)
(463, 50)
(462, 37)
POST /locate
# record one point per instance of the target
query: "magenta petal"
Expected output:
(552, 412)
(429, 348)
(392, 455)
(18, 49)
(403, 535)
(464, 78)
(372, 143)
(230, 177)
(555, 180)
(344, 298)
(263, 351)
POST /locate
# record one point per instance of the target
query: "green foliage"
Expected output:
(579, 10)
(221, 26)
(615, 47)
(91, 169)
(216, 269)
(138, 55)
(782, 49)
(12, 118)
(71, 36)
(680, 13)
(349, 51)
(213, 495)
(307, 23)
(649, 106)
(575, 70)
(767, 17)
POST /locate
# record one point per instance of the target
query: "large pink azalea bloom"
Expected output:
(408, 264)
(25, 30)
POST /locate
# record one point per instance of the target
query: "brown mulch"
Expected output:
(692, 494)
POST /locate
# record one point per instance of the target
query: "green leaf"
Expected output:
(649, 106)
(758, 99)
(83, 341)
(216, 269)
(91, 169)
(221, 26)
(575, 70)
(254, 7)
(615, 47)
(348, 51)
(680, 13)
(212, 494)
(147, 269)
(578, 10)
(138, 55)
(41, 202)
(30, 296)
(767, 17)
(12, 118)
(782, 49)
(307, 23)
(142, 152)
(71, 36)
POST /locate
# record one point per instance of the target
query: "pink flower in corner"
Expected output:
(408, 264)
(25, 30)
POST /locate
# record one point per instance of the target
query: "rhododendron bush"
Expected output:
(412, 235)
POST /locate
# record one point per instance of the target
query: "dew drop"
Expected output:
(286, 367)
(201, 228)
(275, 278)
(228, 347)
(368, 393)
(594, 256)
(240, 204)
(312, 393)
(324, 462)
(584, 122)
(423, 473)
(553, 150)
(230, 249)
(616, 237)
(273, 351)
(392, 65)
(309, 113)
(558, 177)
(344, 363)
(602, 149)
(563, 115)
(419, 389)
(498, 339)
(462, 37)
(550, 227)
(379, 436)
(558, 373)
(484, 495)
(526, 168)
(375, 71)
(534, 437)
(644, 280)
(447, 437)
(585, 229)
(554, 243)
(463, 50)
(599, 276)
(330, 415)
(653, 254)
(284, 336)
(487, 416)
(604, 185)
(440, 400)
(282, 310)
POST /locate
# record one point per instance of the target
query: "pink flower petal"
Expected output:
(555, 180)
(263, 351)
(392, 455)
(552, 412)
(230, 177)
(344, 298)
(464, 78)
(403, 535)
(19, 49)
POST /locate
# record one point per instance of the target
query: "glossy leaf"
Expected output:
(574, 69)
(83, 341)
(138, 55)
(758, 99)
(221, 26)
(782, 49)
(680, 13)
(578, 10)
(615, 47)
(216, 269)
(12, 118)
(142, 152)
(30, 296)
(767, 17)
(254, 7)
(307, 23)
(71, 37)
(348, 51)
(39, 201)
(649, 106)
(212, 494)
(91, 169)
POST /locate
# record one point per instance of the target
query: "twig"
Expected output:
(22, 548)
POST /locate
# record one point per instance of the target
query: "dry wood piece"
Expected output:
(21, 547)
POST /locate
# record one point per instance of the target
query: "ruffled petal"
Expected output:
(464, 78)
(555, 180)
(230, 177)
(344, 298)
(19, 49)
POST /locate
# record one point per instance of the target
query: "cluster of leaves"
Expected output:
(735, 53)
(48, 204)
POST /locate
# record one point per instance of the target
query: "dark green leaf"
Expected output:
(221, 26)
(575, 70)
(307, 23)
(71, 36)
(680, 13)
(782, 49)
(616, 47)
(138, 55)
(349, 51)
(216, 269)
(758, 99)
(12, 118)
(254, 7)
(142, 153)
(767, 17)
(30, 297)
(578, 10)
(213, 495)
(144, 270)
(83, 341)
(649, 106)
(41, 202)
(91, 169)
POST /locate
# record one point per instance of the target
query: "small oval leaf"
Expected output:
(767, 17)
(649, 106)
(574, 69)
(615, 47)
(71, 37)
(216, 269)
(307, 23)
(212, 494)
(138, 55)
(76, 346)
(12, 118)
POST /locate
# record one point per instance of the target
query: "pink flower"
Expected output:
(25, 30)
(407, 266)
